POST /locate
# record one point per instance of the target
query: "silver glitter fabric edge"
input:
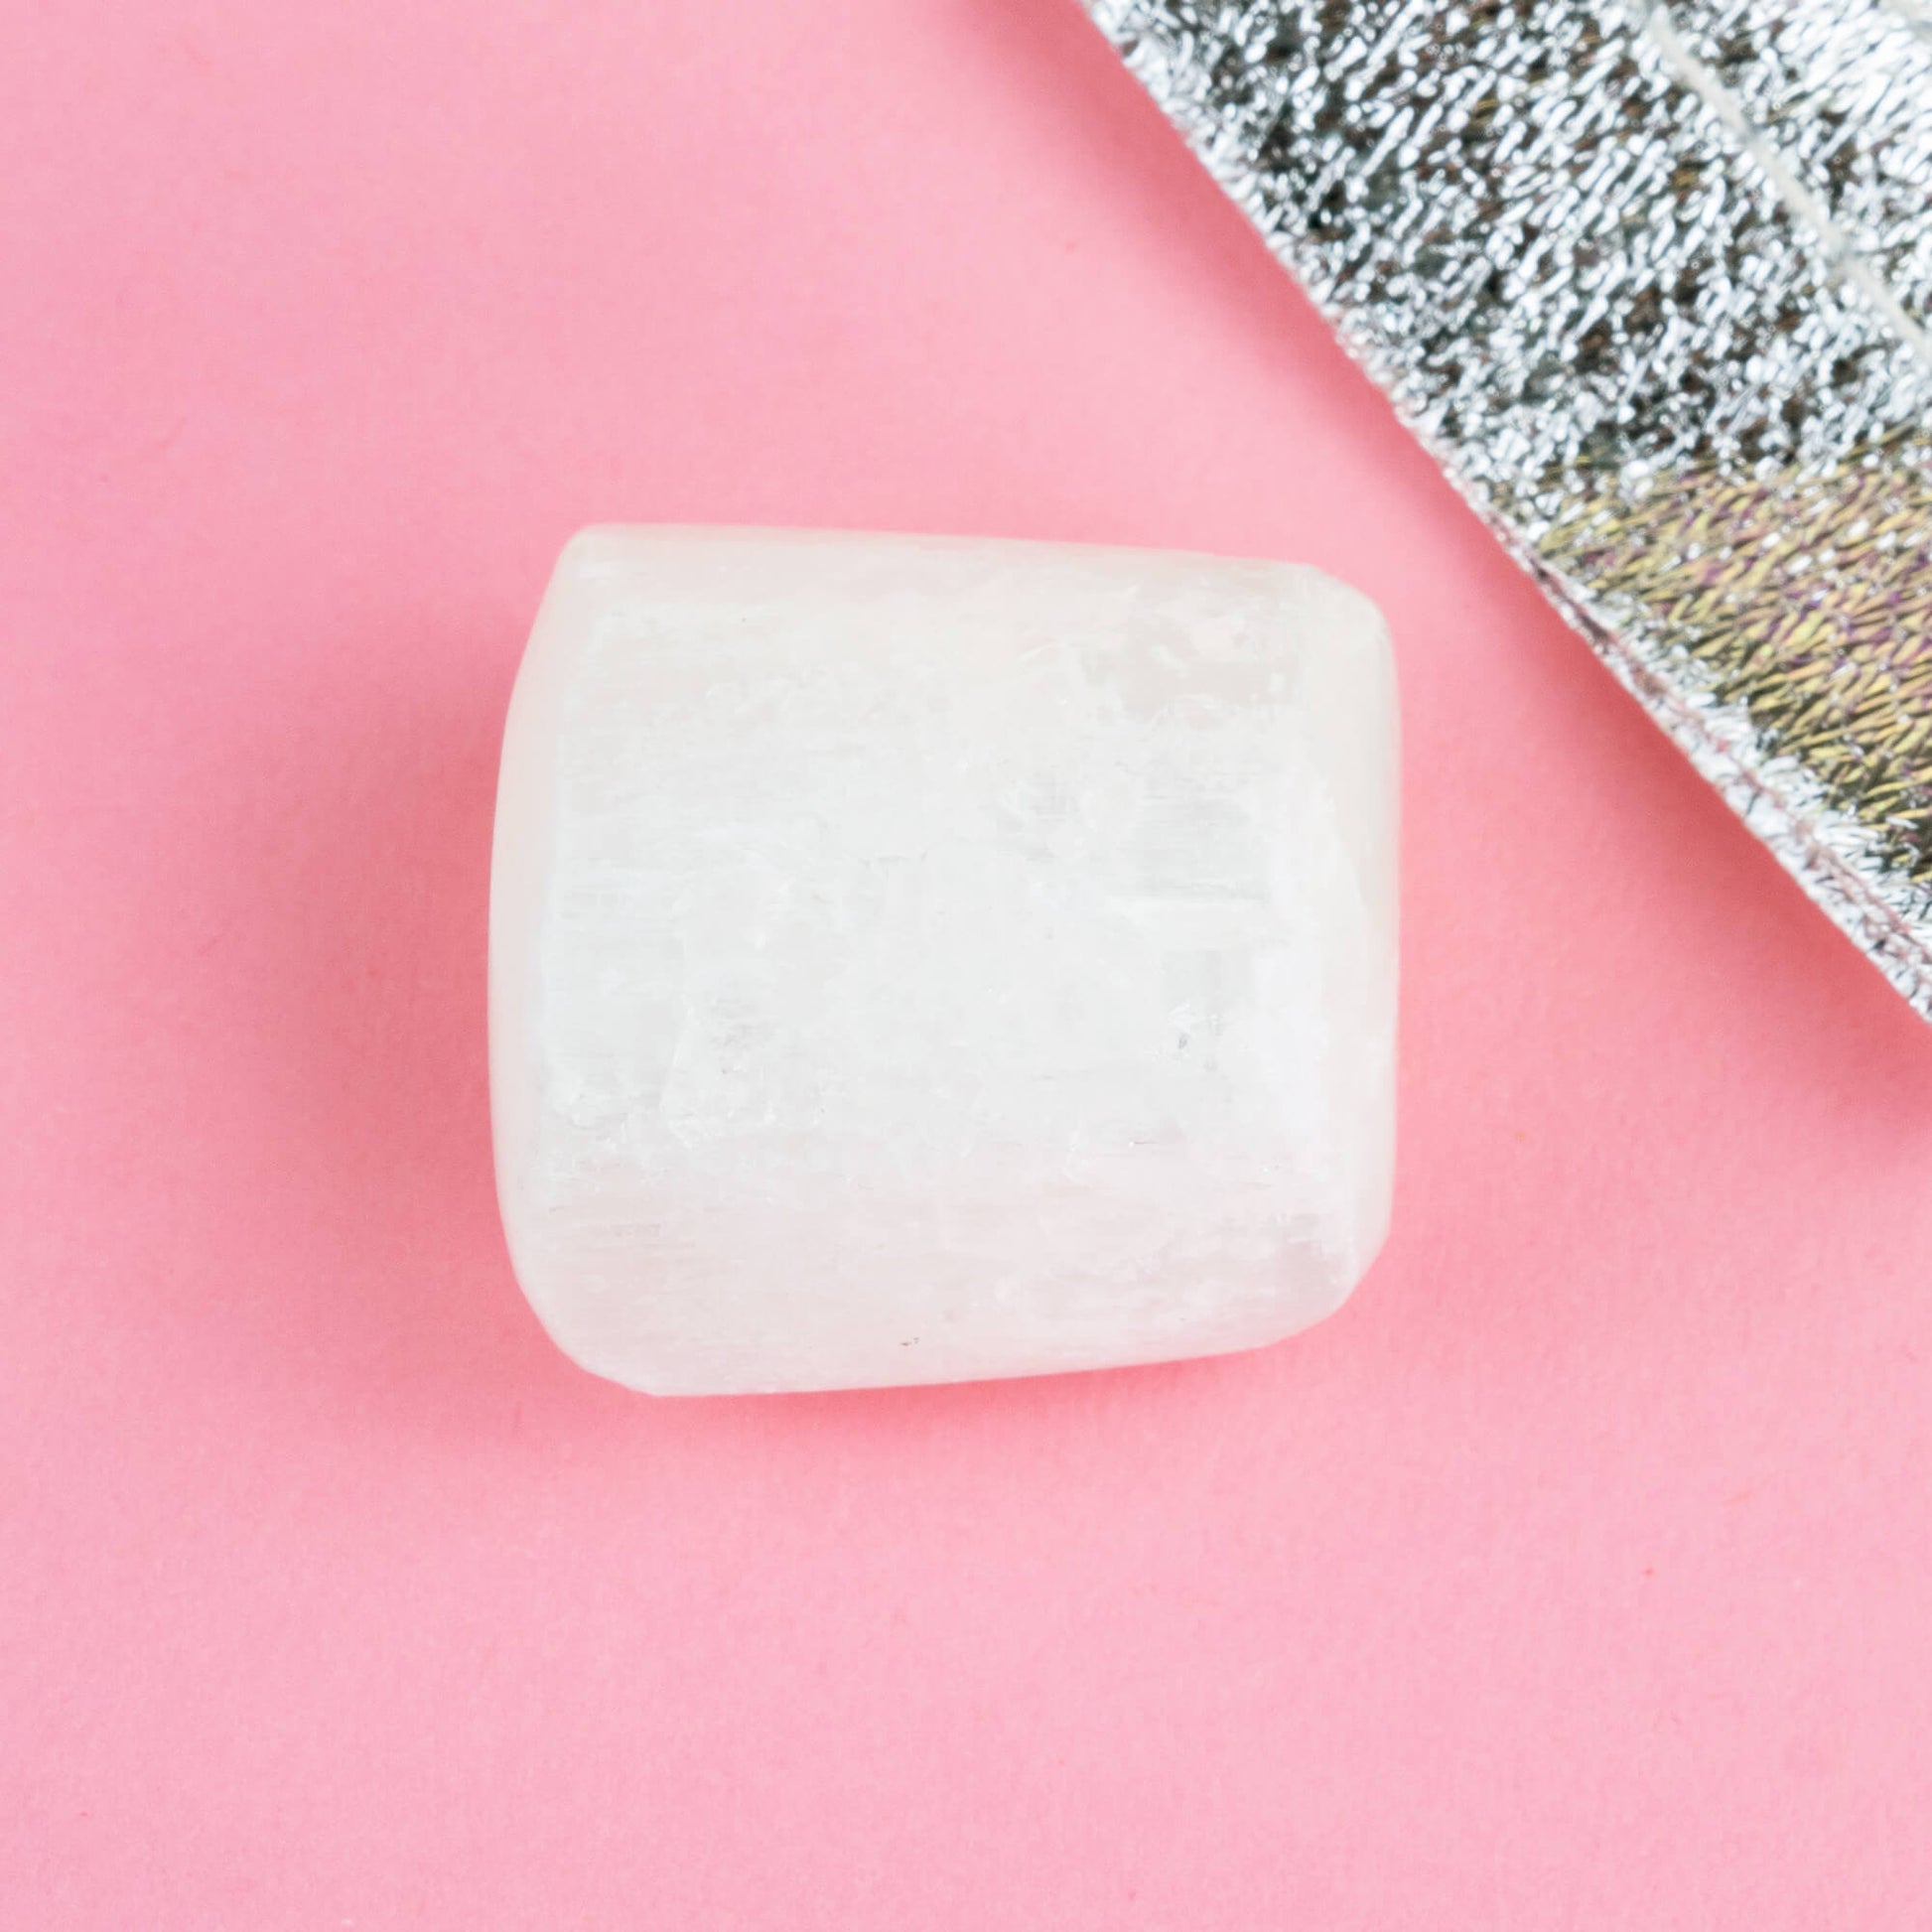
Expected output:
(1693, 149)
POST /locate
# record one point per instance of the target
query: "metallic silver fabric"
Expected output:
(1653, 278)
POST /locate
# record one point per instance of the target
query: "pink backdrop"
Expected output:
(1577, 1575)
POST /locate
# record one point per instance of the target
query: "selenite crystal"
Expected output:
(915, 960)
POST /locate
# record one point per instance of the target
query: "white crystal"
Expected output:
(915, 960)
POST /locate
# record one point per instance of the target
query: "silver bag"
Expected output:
(1652, 278)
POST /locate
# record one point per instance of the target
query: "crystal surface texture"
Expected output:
(915, 960)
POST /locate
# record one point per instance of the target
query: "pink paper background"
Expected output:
(1579, 1574)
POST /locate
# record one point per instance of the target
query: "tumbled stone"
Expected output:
(915, 960)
